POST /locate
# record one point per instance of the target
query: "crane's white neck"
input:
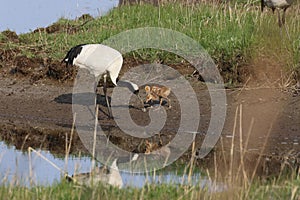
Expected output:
(130, 85)
(115, 176)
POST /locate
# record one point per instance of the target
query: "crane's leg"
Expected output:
(283, 22)
(96, 90)
(106, 97)
(279, 22)
(279, 19)
(283, 17)
(262, 5)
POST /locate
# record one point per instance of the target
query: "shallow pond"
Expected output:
(15, 168)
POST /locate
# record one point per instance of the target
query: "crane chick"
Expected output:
(158, 93)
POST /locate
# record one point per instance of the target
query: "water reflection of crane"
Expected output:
(104, 174)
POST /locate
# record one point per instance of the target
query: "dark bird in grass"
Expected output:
(277, 4)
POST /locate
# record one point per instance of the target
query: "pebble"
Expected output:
(283, 142)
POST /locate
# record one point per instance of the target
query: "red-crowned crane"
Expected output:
(100, 60)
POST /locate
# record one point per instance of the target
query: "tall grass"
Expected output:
(210, 26)
(285, 187)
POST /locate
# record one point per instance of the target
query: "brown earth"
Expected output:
(36, 111)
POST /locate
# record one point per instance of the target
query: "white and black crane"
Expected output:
(277, 5)
(101, 61)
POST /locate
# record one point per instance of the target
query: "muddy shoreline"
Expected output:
(39, 115)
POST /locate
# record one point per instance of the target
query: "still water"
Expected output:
(15, 165)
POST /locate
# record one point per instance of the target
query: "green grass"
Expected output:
(66, 191)
(284, 188)
(207, 25)
(232, 34)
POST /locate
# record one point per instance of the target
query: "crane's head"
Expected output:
(134, 88)
(127, 159)
(72, 54)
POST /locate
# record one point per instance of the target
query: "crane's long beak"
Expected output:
(64, 61)
(133, 88)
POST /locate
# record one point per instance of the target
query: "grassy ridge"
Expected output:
(232, 34)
